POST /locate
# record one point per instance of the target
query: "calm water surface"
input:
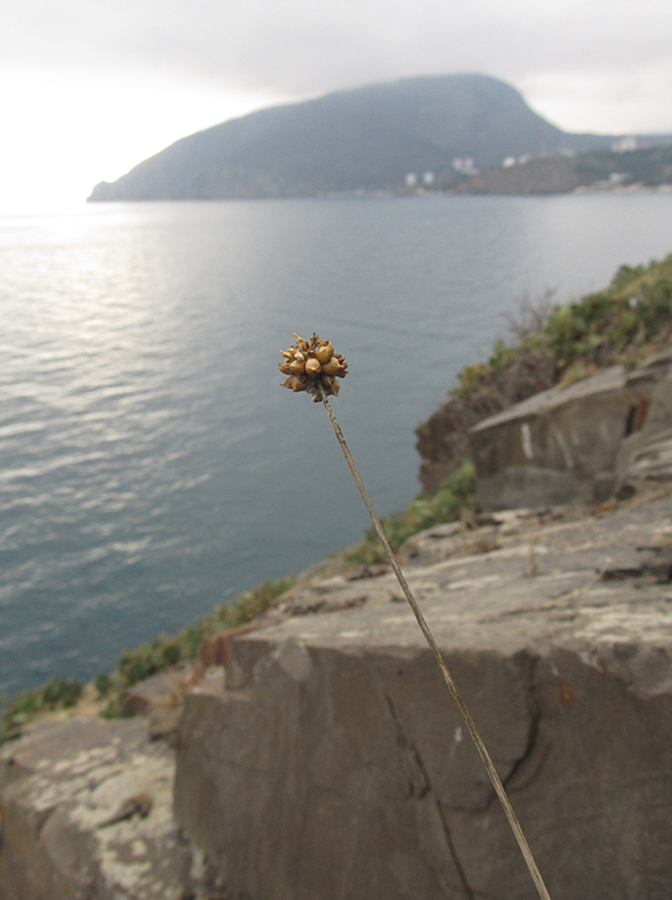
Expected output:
(151, 465)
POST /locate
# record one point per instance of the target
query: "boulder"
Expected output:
(158, 693)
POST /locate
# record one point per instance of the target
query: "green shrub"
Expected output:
(61, 692)
(102, 684)
(602, 328)
(626, 275)
(471, 377)
(137, 665)
(58, 693)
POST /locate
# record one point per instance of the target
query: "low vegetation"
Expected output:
(136, 665)
(166, 651)
(551, 344)
(455, 495)
(625, 323)
(59, 693)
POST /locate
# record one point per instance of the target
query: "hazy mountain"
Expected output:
(367, 138)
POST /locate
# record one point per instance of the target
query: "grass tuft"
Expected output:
(455, 495)
(140, 663)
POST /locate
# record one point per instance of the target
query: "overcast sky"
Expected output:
(89, 88)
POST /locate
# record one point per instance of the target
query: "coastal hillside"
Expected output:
(603, 169)
(369, 138)
(624, 324)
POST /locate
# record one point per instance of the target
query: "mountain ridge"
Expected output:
(359, 139)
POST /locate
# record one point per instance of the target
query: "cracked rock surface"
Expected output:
(334, 765)
(60, 788)
(326, 761)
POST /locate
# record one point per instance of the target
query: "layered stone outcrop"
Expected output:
(321, 756)
(578, 443)
(334, 765)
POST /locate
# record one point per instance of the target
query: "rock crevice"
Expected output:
(528, 766)
(419, 787)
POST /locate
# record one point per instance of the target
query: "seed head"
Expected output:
(309, 364)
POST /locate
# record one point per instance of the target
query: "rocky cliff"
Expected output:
(325, 759)
(621, 336)
(316, 752)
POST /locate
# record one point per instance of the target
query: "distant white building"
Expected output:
(465, 166)
(509, 162)
(428, 178)
(624, 145)
(411, 180)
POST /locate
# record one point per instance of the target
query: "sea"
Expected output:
(151, 466)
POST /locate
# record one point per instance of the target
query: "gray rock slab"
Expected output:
(334, 764)
(59, 784)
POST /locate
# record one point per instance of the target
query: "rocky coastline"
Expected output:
(317, 753)
(314, 752)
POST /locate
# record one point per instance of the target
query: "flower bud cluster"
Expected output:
(309, 364)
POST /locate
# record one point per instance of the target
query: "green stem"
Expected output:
(448, 678)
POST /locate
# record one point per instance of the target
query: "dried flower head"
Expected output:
(309, 364)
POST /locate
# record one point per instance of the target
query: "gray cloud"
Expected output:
(114, 81)
(562, 51)
(304, 46)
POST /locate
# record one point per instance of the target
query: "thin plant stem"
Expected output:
(448, 678)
